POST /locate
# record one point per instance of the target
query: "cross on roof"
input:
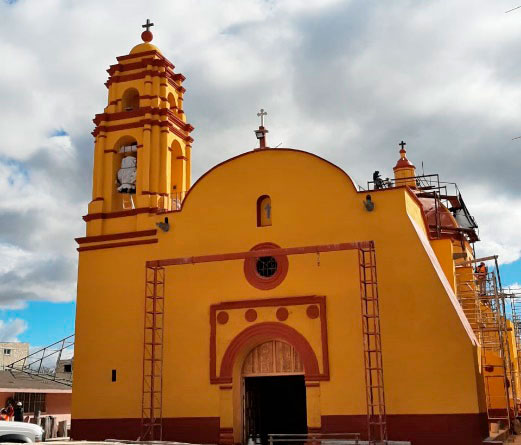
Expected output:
(261, 114)
(402, 144)
(147, 25)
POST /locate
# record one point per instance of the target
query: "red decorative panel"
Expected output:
(297, 355)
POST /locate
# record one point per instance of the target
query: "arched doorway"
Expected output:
(273, 391)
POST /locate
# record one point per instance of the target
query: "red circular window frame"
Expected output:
(266, 283)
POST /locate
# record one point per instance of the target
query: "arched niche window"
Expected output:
(130, 100)
(126, 172)
(264, 211)
(171, 102)
(177, 175)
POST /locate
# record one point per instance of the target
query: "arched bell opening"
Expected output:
(130, 100)
(172, 102)
(177, 175)
(124, 173)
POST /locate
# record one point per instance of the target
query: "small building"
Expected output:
(64, 369)
(36, 394)
(10, 352)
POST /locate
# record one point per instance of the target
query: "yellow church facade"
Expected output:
(207, 313)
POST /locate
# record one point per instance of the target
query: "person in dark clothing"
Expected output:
(377, 180)
(19, 412)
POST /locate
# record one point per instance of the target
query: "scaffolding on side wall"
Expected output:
(514, 298)
(483, 303)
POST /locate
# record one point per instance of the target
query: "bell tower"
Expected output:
(142, 141)
(404, 170)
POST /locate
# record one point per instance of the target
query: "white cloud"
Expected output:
(11, 329)
(346, 80)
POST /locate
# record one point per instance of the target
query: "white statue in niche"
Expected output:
(127, 175)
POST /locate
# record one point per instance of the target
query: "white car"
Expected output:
(20, 432)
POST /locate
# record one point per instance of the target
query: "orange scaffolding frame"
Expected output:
(151, 420)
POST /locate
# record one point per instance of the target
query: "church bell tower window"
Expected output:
(130, 100)
(126, 179)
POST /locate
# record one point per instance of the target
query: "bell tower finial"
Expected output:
(261, 132)
(147, 35)
(404, 170)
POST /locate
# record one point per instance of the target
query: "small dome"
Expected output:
(403, 162)
(143, 47)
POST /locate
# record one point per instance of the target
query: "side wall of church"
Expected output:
(430, 366)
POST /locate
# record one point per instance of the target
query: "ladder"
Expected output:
(152, 400)
(495, 356)
(374, 379)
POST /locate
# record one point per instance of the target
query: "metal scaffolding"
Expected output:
(152, 400)
(374, 378)
(483, 302)
(514, 298)
(44, 362)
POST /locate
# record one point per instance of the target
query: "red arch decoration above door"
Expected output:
(262, 332)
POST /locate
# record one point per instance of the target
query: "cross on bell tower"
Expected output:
(147, 25)
(147, 35)
(261, 132)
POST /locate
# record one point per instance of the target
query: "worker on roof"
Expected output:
(377, 180)
(481, 277)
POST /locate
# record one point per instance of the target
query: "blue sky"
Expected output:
(46, 322)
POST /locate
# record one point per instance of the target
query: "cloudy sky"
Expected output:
(343, 79)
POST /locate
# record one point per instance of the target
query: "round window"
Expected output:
(266, 266)
(266, 272)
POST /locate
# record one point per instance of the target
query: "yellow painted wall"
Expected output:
(429, 359)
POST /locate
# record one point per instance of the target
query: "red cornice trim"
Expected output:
(132, 212)
(143, 63)
(115, 236)
(170, 76)
(142, 123)
(124, 244)
(122, 115)
(270, 302)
